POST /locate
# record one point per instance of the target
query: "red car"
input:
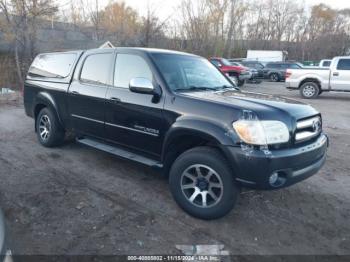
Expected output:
(238, 74)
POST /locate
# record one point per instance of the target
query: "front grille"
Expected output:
(308, 129)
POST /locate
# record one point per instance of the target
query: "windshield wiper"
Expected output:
(228, 87)
(195, 88)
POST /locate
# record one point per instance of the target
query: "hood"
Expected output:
(234, 68)
(264, 105)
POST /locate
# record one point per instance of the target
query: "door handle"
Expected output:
(115, 99)
(75, 92)
(336, 74)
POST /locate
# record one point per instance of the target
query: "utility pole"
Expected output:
(97, 21)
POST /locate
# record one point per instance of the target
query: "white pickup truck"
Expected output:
(315, 81)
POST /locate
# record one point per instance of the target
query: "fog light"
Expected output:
(273, 179)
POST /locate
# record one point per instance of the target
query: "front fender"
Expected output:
(215, 132)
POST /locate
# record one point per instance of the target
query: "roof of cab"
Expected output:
(150, 50)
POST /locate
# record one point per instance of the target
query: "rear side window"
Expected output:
(52, 65)
(274, 66)
(326, 63)
(128, 67)
(344, 64)
(96, 69)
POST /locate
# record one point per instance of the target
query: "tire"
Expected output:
(49, 131)
(221, 192)
(241, 83)
(309, 90)
(274, 77)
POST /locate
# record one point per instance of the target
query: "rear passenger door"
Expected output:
(87, 93)
(340, 77)
(134, 120)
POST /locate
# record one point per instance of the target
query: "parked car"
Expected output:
(276, 71)
(326, 63)
(178, 113)
(238, 74)
(253, 72)
(255, 65)
(313, 82)
(239, 60)
(5, 253)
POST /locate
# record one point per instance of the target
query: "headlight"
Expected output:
(255, 132)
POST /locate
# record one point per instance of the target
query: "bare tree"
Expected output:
(22, 18)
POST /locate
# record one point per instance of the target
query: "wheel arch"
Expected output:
(184, 136)
(45, 100)
(310, 80)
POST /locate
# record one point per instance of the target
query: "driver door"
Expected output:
(133, 120)
(340, 77)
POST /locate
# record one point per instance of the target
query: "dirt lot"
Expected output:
(76, 200)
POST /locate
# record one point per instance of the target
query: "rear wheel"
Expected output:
(202, 184)
(49, 131)
(309, 90)
(274, 77)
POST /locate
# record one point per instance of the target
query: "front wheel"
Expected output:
(309, 90)
(202, 183)
(241, 83)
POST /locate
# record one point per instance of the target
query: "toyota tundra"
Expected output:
(179, 113)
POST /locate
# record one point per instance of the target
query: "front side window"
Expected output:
(128, 67)
(344, 64)
(185, 73)
(96, 69)
(258, 66)
(52, 65)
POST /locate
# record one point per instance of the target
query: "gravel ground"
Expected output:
(76, 200)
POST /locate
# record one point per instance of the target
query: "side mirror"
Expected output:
(141, 85)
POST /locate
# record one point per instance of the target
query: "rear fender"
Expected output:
(44, 98)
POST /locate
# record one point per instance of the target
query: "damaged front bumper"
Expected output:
(255, 168)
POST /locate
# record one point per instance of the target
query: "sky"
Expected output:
(166, 8)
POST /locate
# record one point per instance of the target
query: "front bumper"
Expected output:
(254, 167)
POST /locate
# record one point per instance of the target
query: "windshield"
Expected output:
(226, 62)
(236, 64)
(189, 73)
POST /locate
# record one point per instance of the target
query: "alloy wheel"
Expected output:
(274, 77)
(202, 186)
(44, 127)
(309, 91)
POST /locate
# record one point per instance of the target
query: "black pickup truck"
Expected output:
(176, 112)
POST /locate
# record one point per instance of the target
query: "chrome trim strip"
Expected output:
(245, 181)
(305, 135)
(86, 118)
(307, 123)
(132, 129)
